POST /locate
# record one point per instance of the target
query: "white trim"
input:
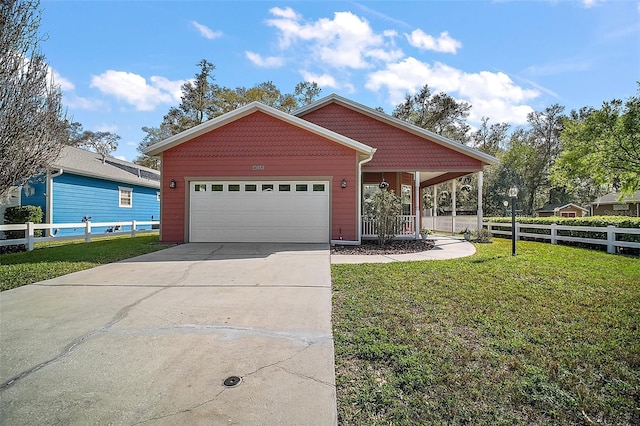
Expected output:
(359, 196)
(454, 207)
(122, 189)
(417, 202)
(480, 184)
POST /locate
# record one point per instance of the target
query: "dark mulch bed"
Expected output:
(394, 247)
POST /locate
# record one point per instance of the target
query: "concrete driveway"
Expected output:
(152, 339)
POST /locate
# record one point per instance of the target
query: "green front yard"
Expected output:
(551, 336)
(49, 260)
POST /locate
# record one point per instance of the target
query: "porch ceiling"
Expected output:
(429, 177)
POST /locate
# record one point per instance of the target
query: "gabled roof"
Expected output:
(248, 109)
(614, 198)
(434, 137)
(558, 207)
(86, 163)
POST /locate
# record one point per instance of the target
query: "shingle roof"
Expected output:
(86, 163)
(612, 198)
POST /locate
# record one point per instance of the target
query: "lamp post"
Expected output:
(513, 194)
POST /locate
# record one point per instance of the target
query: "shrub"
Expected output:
(22, 214)
(483, 235)
(386, 207)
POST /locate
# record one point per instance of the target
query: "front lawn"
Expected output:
(550, 336)
(50, 261)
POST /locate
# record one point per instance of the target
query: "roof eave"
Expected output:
(133, 181)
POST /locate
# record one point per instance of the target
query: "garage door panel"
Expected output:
(259, 216)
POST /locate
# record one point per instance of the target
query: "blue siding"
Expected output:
(76, 197)
(37, 197)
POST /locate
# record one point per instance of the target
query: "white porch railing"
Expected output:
(405, 226)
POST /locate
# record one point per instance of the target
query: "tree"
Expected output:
(203, 100)
(439, 113)
(533, 151)
(602, 146)
(104, 143)
(32, 123)
(490, 139)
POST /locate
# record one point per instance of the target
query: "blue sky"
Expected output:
(121, 63)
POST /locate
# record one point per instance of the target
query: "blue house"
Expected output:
(82, 185)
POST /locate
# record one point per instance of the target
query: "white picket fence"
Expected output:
(611, 232)
(30, 228)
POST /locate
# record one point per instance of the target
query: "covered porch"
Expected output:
(411, 187)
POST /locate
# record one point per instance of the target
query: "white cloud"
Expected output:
(135, 90)
(65, 84)
(268, 62)
(74, 101)
(104, 127)
(327, 80)
(205, 31)
(346, 41)
(591, 3)
(493, 95)
(444, 43)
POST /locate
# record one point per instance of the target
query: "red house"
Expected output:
(258, 174)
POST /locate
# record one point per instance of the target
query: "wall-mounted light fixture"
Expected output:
(172, 184)
(344, 183)
(383, 185)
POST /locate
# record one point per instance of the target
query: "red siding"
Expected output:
(259, 139)
(397, 149)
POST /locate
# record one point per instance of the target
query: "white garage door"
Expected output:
(259, 211)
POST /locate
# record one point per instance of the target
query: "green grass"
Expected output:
(550, 336)
(52, 260)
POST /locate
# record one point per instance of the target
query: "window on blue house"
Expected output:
(126, 197)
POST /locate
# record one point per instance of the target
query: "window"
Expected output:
(125, 197)
(318, 187)
(568, 214)
(284, 187)
(301, 187)
(217, 187)
(198, 187)
(234, 187)
(267, 187)
(250, 187)
(406, 199)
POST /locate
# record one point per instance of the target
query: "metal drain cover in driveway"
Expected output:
(231, 381)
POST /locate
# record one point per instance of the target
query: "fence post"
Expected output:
(133, 228)
(29, 236)
(611, 239)
(87, 231)
(554, 233)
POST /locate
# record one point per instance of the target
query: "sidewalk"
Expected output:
(447, 247)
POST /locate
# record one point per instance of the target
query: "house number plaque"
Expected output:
(257, 167)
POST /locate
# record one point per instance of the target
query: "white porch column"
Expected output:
(418, 212)
(434, 216)
(480, 183)
(453, 206)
